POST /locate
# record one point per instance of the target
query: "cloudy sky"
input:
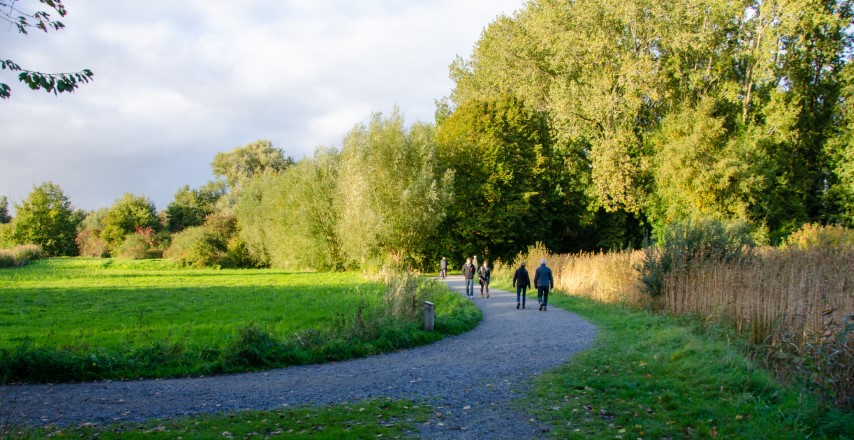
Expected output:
(178, 81)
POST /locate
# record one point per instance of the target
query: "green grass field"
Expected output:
(83, 319)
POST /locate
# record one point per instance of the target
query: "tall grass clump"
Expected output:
(19, 255)
(610, 277)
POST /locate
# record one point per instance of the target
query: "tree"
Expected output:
(50, 82)
(840, 151)
(610, 74)
(290, 220)
(242, 163)
(510, 183)
(190, 207)
(128, 214)
(89, 241)
(4, 210)
(47, 219)
(393, 191)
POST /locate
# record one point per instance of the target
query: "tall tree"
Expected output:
(290, 219)
(23, 20)
(610, 73)
(47, 219)
(4, 210)
(243, 163)
(394, 194)
(190, 207)
(510, 183)
(129, 214)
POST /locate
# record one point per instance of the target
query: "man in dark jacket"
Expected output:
(543, 281)
(521, 281)
(468, 274)
(484, 275)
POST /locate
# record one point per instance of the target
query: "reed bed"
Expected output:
(794, 305)
(607, 277)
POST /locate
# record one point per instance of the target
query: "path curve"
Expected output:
(473, 377)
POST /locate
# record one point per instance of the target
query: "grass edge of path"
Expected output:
(650, 375)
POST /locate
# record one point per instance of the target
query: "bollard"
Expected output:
(428, 316)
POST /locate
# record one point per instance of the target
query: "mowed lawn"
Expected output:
(105, 303)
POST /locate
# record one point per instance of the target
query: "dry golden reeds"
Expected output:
(796, 304)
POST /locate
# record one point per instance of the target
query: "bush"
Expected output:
(19, 255)
(195, 247)
(690, 240)
(7, 258)
(141, 245)
(820, 236)
(90, 244)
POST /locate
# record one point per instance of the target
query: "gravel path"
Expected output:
(471, 379)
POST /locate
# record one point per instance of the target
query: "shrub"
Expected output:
(142, 244)
(195, 247)
(812, 235)
(682, 242)
(19, 255)
(7, 258)
(90, 244)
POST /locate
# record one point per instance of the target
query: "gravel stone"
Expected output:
(469, 379)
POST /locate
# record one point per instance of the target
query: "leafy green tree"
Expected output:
(394, 193)
(609, 74)
(47, 219)
(511, 188)
(190, 207)
(243, 163)
(840, 151)
(55, 83)
(290, 220)
(4, 210)
(129, 214)
(699, 169)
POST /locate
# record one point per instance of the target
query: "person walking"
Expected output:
(475, 262)
(521, 281)
(443, 268)
(543, 281)
(483, 275)
(468, 274)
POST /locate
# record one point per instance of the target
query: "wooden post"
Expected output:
(428, 315)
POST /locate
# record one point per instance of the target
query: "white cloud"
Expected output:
(176, 82)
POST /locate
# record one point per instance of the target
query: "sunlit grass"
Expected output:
(109, 303)
(83, 319)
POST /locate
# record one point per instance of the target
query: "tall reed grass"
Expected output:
(612, 277)
(794, 304)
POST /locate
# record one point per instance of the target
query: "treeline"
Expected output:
(584, 125)
(668, 110)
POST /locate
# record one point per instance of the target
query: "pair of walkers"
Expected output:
(543, 282)
(484, 275)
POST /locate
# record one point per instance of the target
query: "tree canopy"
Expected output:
(623, 81)
(47, 219)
